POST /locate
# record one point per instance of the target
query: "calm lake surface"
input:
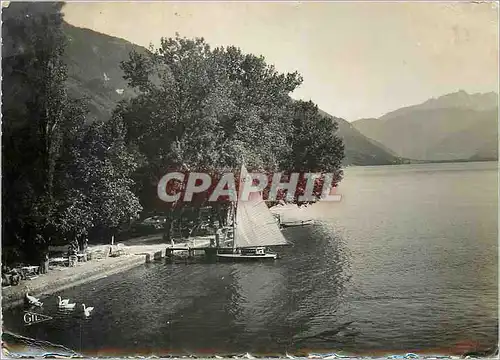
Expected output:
(407, 261)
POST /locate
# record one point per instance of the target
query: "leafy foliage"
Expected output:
(57, 181)
(209, 110)
(96, 190)
(34, 109)
(314, 147)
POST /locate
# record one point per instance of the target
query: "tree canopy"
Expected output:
(60, 176)
(203, 109)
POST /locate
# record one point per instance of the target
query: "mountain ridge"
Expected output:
(458, 99)
(455, 126)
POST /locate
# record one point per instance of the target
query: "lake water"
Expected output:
(407, 261)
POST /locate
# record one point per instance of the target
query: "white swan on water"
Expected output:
(32, 300)
(63, 302)
(68, 306)
(87, 310)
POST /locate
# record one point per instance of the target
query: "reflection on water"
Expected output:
(406, 262)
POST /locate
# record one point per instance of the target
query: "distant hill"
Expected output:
(360, 150)
(455, 126)
(458, 100)
(94, 69)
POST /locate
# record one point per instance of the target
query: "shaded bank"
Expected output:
(138, 252)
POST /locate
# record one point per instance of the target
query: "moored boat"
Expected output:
(259, 253)
(254, 229)
(297, 223)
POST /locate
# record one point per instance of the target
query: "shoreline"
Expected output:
(60, 278)
(48, 285)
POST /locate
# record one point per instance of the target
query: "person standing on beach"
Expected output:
(44, 264)
(43, 258)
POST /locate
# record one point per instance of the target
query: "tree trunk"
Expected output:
(222, 215)
(195, 217)
(44, 265)
(219, 214)
(44, 260)
(179, 222)
(212, 218)
(167, 235)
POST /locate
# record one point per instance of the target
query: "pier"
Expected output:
(188, 249)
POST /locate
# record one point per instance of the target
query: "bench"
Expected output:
(60, 261)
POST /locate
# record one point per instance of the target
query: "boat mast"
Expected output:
(234, 226)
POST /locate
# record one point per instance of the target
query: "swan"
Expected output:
(32, 300)
(68, 306)
(87, 310)
(63, 302)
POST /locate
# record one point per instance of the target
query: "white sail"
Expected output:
(255, 225)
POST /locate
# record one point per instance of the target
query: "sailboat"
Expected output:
(254, 229)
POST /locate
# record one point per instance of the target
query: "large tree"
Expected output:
(34, 109)
(211, 110)
(61, 177)
(95, 185)
(176, 121)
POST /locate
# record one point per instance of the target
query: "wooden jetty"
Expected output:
(169, 252)
(205, 245)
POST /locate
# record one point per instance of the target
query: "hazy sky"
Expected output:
(358, 59)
